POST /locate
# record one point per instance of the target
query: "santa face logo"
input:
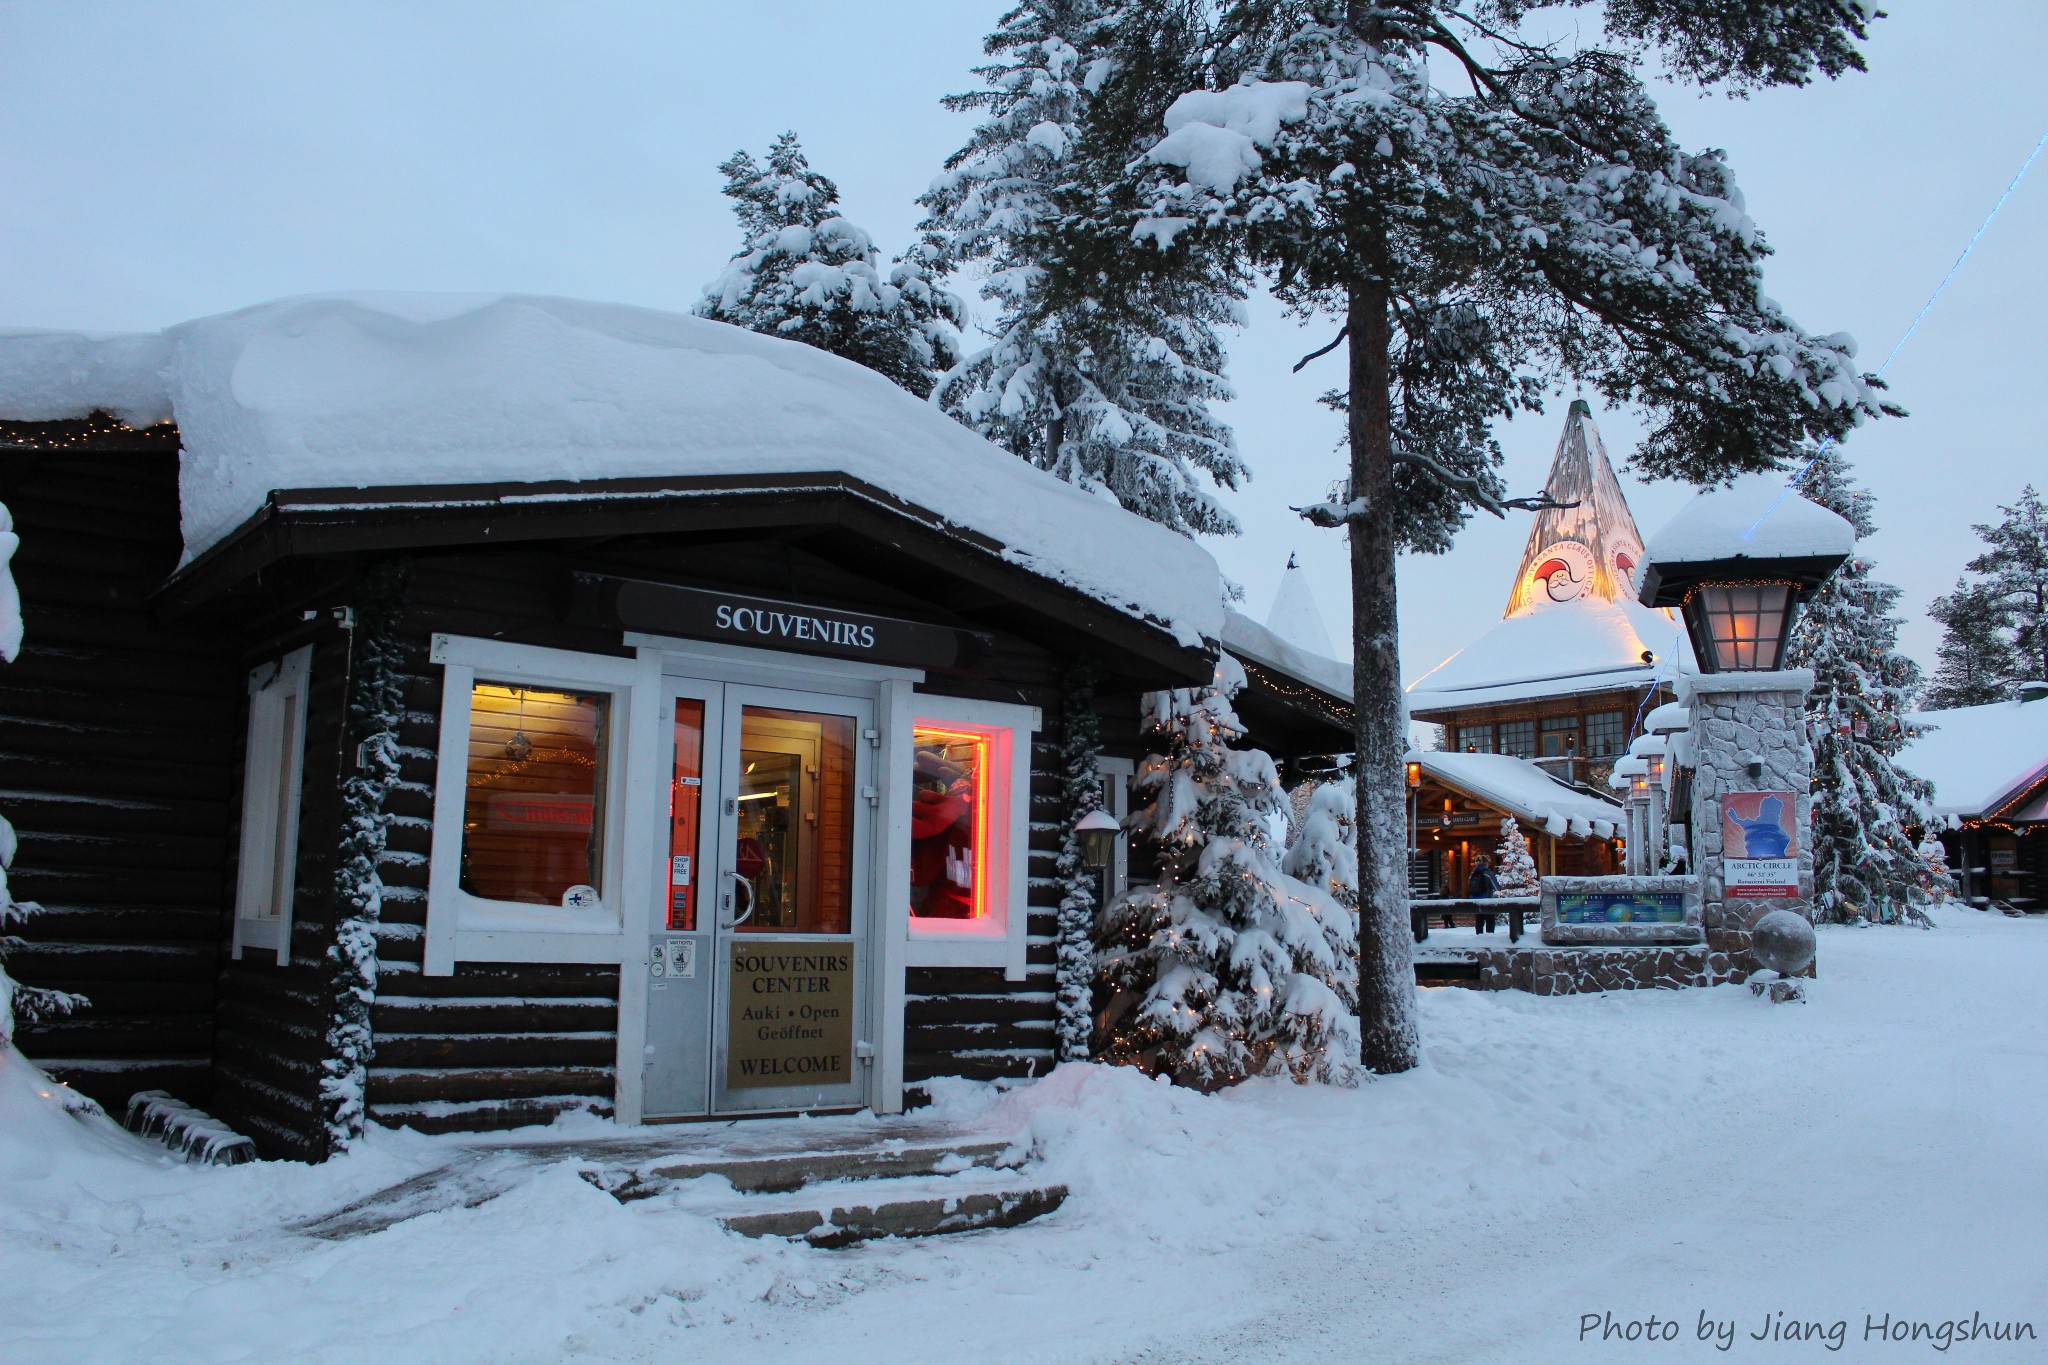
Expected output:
(1626, 557)
(1565, 569)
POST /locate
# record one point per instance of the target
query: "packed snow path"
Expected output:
(1875, 1152)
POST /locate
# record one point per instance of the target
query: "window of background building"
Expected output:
(1606, 733)
(1560, 736)
(1518, 737)
(1475, 739)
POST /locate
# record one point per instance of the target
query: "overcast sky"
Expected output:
(161, 162)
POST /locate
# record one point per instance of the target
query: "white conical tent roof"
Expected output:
(1294, 617)
(1590, 549)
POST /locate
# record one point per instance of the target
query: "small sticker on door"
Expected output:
(679, 870)
(682, 957)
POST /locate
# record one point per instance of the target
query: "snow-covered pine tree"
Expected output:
(1867, 812)
(1324, 850)
(1110, 390)
(1228, 967)
(1080, 889)
(1514, 865)
(376, 701)
(1487, 213)
(1976, 664)
(807, 274)
(2015, 568)
(19, 1004)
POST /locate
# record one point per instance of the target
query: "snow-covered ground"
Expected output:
(1880, 1151)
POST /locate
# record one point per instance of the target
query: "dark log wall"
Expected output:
(118, 743)
(270, 1034)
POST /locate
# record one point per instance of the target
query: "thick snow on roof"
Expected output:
(397, 389)
(1522, 789)
(1979, 758)
(1294, 617)
(1753, 517)
(1556, 649)
(1248, 639)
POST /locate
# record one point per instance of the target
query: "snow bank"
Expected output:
(1979, 758)
(394, 389)
(1754, 517)
(1555, 649)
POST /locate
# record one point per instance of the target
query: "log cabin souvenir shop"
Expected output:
(455, 712)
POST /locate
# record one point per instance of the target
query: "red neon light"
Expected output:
(983, 761)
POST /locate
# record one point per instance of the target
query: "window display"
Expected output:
(949, 825)
(686, 792)
(533, 819)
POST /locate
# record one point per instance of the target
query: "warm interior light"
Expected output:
(951, 823)
(1742, 624)
(1414, 774)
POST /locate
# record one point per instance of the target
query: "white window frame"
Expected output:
(999, 938)
(273, 780)
(466, 928)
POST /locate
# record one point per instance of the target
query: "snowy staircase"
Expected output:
(830, 1183)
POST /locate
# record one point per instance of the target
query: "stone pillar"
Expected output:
(1748, 734)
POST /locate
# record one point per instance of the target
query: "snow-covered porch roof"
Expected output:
(1986, 762)
(547, 402)
(1521, 789)
(1557, 649)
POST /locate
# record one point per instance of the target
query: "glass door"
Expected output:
(792, 853)
(676, 1082)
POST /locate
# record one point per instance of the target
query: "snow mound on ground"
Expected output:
(347, 391)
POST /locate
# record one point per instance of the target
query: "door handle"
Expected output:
(738, 920)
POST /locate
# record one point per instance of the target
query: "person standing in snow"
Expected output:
(1481, 887)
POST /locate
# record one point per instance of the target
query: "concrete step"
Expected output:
(784, 1171)
(840, 1215)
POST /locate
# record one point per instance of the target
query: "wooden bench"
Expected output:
(1514, 909)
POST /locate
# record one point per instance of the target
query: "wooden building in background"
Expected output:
(1566, 677)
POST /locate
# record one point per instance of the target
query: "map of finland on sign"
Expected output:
(1760, 844)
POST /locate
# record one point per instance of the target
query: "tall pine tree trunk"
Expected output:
(1387, 1032)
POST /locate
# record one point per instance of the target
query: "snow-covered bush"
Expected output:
(1324, 851)
(1228, 967)
(808, 274)
(1516, 867)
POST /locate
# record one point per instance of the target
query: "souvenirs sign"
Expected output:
(767, 623)
(1759, 845)
(791, 1015)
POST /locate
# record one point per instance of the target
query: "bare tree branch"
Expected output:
(1320, 352)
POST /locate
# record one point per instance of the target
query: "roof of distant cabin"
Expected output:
(1557, 649)
(1518, 787)
(1294, 617)
(395, 390)
(1984, 761)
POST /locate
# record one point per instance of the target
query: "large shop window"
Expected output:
(533, 805)
(969, 836)
(527, 829)
(273, 773)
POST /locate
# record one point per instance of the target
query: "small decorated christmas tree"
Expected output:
(1517, 866)
(1228, 967)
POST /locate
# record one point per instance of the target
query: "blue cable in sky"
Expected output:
(1925, 309)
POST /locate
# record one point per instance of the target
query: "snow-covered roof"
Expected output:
(1558, 649)
(1248, 639)
(1294, 617)
(1755, 518)
(1672, 718)
(1522, 789)
(371, 390)
(1981, 759)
